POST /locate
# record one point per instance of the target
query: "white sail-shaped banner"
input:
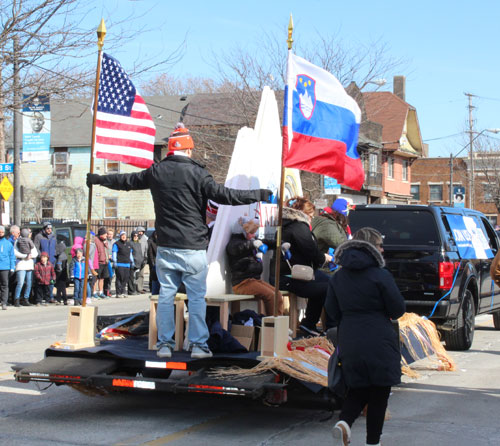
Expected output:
(255, 164)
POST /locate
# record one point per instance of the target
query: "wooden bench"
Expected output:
(294, 313)
(222, 301)
(179, 321)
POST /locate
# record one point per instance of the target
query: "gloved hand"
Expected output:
(257, 244)
(52, 281)
(260, 246)
(114, 265)
(93, 178)
(266, 195)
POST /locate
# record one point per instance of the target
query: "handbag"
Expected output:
(336, 381)
(301, 272)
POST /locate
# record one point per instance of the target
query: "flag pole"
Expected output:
(101, 33)
(282, 191)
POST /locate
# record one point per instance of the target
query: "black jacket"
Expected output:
(152, 249)
(362, 299)
(180, 188)
(303, 245)
(242, 261)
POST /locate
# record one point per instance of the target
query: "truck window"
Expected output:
(63, 235)
(490, 234)
(399, 227)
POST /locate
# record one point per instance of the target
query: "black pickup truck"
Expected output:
(440, 258)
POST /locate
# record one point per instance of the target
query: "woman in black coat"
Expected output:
(362, 299)
(297, 215)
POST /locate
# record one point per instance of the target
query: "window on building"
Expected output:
(373, 160)
(47, 208)
(415, 191)
(390, 167)
(111, 166)
(436, 192)
(111, 208)
(61, 162)
(406, 165)
(488, 192)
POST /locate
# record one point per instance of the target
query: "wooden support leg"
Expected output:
(179, 325)
(153, 329)
(224, 314)
(294, 315)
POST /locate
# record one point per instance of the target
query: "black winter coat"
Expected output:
(242, 261)
(303, 245)
(362, 299)
(152, 249)
(180, 188)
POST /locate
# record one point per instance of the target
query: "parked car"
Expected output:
(441, 270)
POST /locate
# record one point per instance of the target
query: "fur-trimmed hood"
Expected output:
(358, 254)
(295, 215)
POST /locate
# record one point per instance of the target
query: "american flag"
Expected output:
(124, 128)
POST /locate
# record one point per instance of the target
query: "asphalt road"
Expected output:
(442, 408)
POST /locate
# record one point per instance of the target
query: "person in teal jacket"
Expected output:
(7, 266)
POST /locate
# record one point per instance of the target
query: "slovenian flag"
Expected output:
(320, 124)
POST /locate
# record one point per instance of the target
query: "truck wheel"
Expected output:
(461, 338)
(496, 320)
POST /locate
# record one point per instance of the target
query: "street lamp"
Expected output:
(471, 179)
(378, 82)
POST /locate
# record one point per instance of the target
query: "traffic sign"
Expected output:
(6, 188)
(6, 167)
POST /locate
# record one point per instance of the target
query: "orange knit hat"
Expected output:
(180, 139)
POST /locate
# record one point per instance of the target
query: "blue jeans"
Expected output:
(23, 275)
(173, 267)
(78, 292)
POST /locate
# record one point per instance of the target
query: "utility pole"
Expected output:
(16, 130)
(471, 152)
(451, 180)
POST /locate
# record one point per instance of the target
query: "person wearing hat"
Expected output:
(45, 276)
(101, 243)
(110, 238)
(7, 266)
(211, 215)
(180, 188)
(45, 241)
(245, 252)
(143, 240)
(331, 227)
(122, 263)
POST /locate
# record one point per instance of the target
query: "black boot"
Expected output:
(25, 303)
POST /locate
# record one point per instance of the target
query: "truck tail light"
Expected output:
(446, 271)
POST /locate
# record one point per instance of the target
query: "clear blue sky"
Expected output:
(451, 46)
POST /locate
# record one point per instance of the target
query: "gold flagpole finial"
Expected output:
(290, 31)
(101, 32)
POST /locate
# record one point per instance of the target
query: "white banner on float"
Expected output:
(255, 164)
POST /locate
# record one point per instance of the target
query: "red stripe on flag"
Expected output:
(138, 99)
(136, 161)
(124, 142)
(140, 115)
(354, 174)
(323, 156)
(125, 127)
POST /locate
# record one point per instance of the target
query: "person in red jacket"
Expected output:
(44, 277)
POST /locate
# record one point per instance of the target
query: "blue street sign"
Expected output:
(7, 168)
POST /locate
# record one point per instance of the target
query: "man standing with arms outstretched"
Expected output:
(180, 188)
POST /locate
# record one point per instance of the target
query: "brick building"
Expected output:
(430, 184)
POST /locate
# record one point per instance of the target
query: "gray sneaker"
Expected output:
(200, 352)
(165, 351)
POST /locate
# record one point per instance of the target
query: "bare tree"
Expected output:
(53, 49)
(487, 170)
